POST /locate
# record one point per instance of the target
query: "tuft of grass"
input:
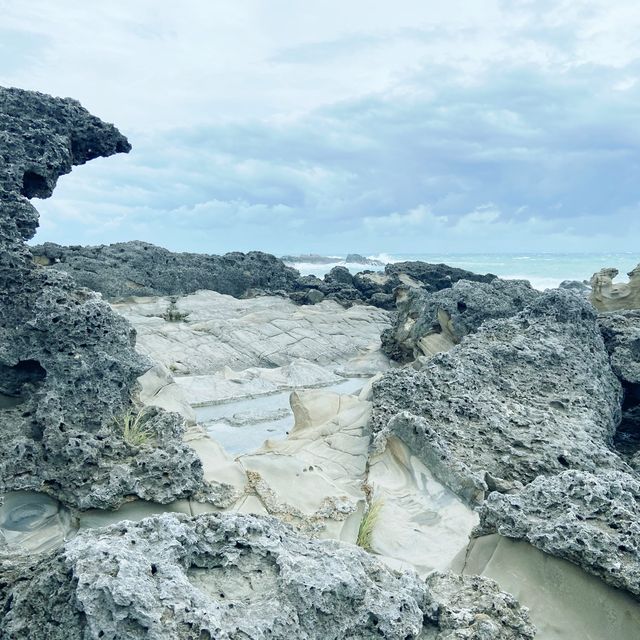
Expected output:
(368, 524)
(132, 426)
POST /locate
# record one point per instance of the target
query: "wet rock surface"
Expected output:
(525, 396)
(592, 520)
(67, 362)
(232, 576)
(427, 323)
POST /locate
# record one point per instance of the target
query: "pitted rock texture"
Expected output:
(142, 269)
(474, 608)
(428, 322)
(592, 520)
(67, 362)
(528, 395)
(621, 333)
(234, 576)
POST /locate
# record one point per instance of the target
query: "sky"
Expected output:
(367, 126)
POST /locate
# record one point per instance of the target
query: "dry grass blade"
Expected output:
(368, 524)
(132, 426)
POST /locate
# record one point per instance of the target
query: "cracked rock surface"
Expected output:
(236, 576)
(592, 520)
(67, 361)
(524, 396)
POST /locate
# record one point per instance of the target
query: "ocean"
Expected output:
(543, 270)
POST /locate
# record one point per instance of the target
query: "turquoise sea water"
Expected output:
(543, 270)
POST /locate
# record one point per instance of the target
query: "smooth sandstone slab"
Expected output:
(565, 602)
(32, 522)
(422, 524)
(217, 331)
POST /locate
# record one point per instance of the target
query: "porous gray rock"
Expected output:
(142, 269)
(474, 608)
(238, 576)
(435, 321)
(621, 333)
(67, 362)
(592, 520)
(523, 396)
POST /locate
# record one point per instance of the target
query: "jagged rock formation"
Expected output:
(606, 296)
(524, 396)
(592, 520)
(621, 333)
(142, 269)
(231, 576)
(428, 323)
(67, 362)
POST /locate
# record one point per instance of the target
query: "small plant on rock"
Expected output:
(133, 427)
(368, 524)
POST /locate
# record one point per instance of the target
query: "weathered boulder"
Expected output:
(592, 520)
(428, 323)
(474, 608)
(523, 396)
(231, 576)
(621, 333)
(68, 366)
(142, 269)
(607, 296)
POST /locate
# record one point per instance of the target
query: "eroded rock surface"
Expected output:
(592, 520)
(128, 269)
(564, 601)
(216, 331)
(142, 269)
(621, 333)
(607, 296)
(67, 362)
(524, 396)
(428, 323)
(231, 576)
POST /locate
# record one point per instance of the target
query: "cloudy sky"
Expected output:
(410, 126)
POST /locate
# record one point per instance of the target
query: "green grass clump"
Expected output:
(368, 524)
(132, 425)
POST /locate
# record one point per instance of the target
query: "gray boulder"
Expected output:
(68, 366)
(238, 576)
(592, 520)
(450, 314)
(523, 396)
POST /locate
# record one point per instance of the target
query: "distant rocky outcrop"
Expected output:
(314, 258)
(379, 288)
(428, 323)
(142, 269)
(68, 366)
(607, 296)
(523, 396)
(239, 576)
